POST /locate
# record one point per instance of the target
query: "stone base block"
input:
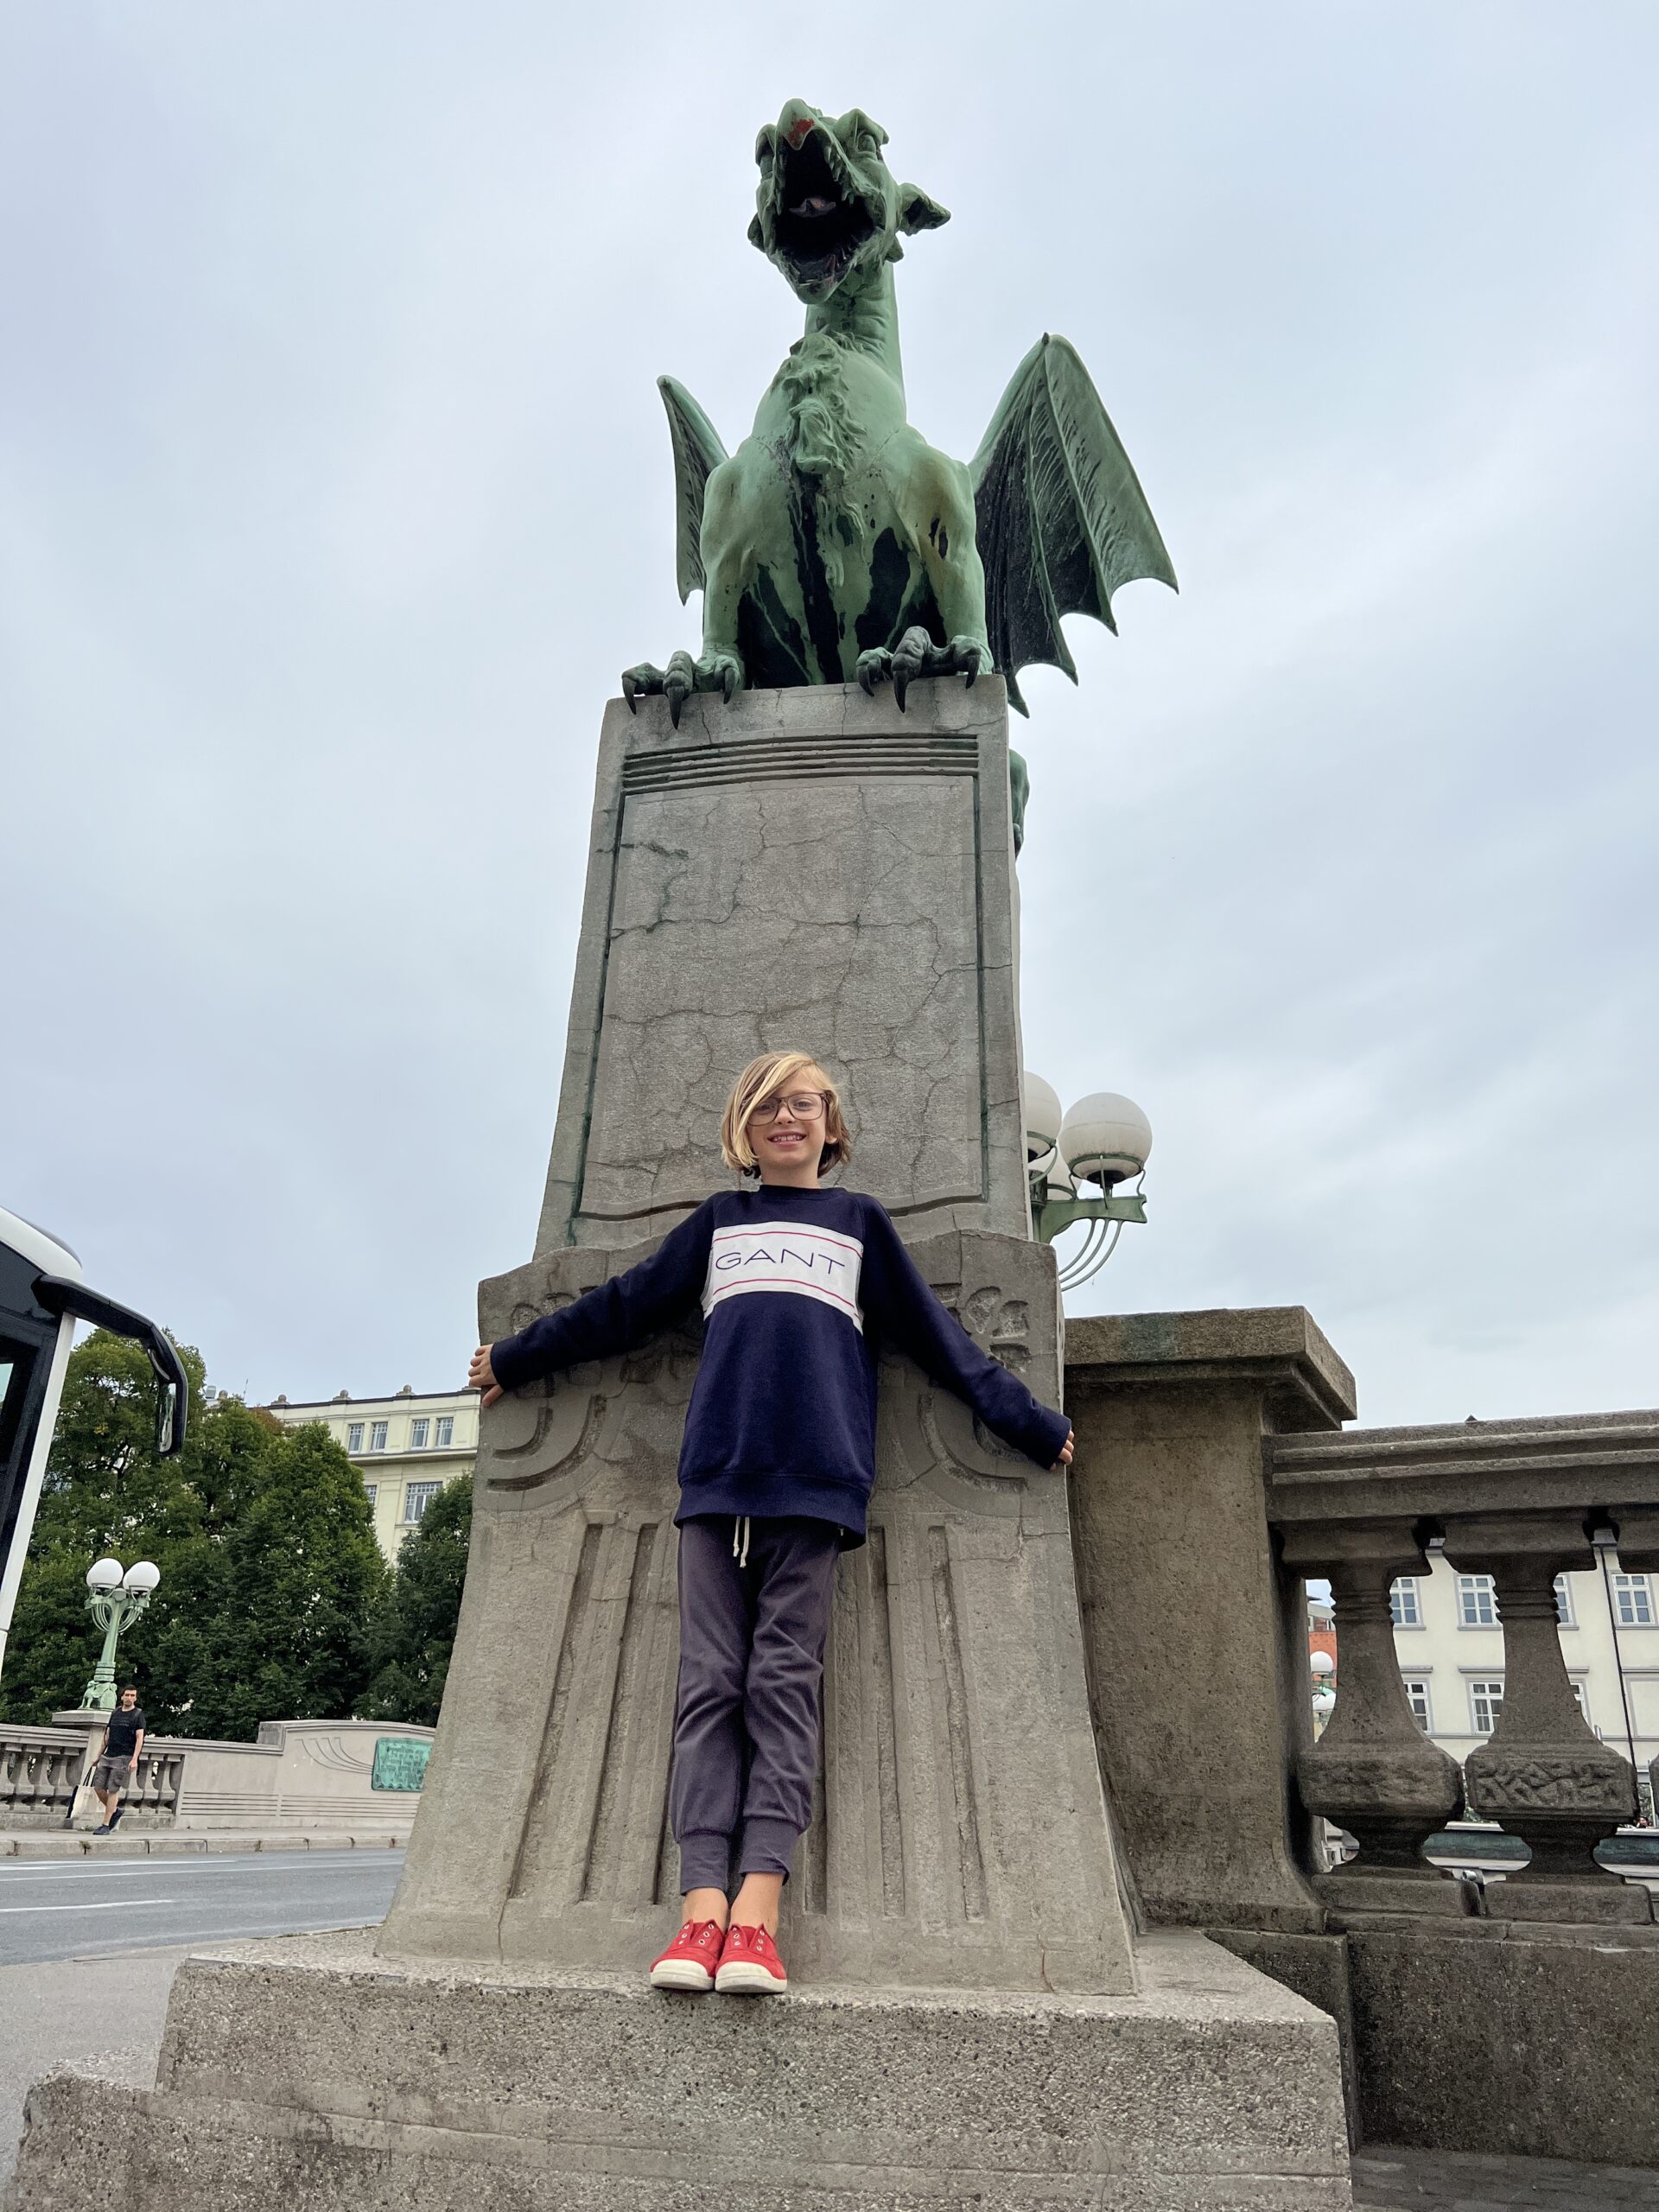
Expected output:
(1511, 2039)
(1427, 1896)
(1596, 1905)
(306, 2072)
(1316, 1968)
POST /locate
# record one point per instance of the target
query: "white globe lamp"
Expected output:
(1043, 1116)
(1321, 1663)
(103, 1574)
(144, 1575)
(1105, 1138)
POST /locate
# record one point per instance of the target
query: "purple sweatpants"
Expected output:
(754, 1612)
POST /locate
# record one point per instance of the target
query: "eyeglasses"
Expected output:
(805, 1106)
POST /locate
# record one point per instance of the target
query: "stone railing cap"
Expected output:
(1281, 1346)
(1537, 1464)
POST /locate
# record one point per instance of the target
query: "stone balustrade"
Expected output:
(1523, 1501)
(39, 1772)
(40, 1769)
(1212, 1475)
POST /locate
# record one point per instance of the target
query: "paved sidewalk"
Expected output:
(68, 2012)
(182, 1843)
(1450, 2181)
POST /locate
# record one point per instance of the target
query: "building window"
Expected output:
(371, 1491)
(1485, 1707)
(417, 1430)
(1633, 1600)
(445, 1431)
(354, 1436)
(1584, 1702)
(1564, 1603)
(377, 1436)
(1476, 1601)
(1417, 1692)
(1405, 1604)
(416, 1498)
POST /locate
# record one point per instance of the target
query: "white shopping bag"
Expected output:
(84, 1805)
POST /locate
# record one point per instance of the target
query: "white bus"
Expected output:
(41, 1298)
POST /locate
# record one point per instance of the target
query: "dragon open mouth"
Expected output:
(820, 221)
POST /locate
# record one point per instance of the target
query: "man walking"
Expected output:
(123, 1739)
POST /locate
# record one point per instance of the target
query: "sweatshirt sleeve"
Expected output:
(908, 1311)
(618, 1314)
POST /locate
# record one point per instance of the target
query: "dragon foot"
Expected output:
(916, 655)
(714, 671)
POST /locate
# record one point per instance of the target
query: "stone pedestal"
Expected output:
(307, 2072)
(1195, 1632)
(807, 869)
(967, 2023)
(961, 1838)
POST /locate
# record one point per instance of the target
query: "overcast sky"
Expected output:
(335, 492)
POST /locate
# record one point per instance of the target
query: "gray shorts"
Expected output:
(110, 1774)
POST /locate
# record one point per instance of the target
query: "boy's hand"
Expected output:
(481, 1376)
(1065, 1459)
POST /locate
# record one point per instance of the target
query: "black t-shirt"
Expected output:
(124, 1729)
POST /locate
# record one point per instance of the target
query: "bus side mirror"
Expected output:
(167, 1418)
(59, 1295)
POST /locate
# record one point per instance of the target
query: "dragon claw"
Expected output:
(714, 671)
(916, 655)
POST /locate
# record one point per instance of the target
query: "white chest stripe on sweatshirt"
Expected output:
(787, 1255)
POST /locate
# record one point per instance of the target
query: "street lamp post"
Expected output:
(1105, 1139)
(118, 1596)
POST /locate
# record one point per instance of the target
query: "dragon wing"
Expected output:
(1060, 518)
(697, 453)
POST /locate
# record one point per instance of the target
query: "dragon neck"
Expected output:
(865, 317)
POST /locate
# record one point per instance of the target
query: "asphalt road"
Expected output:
(88, 1950)
(51, 1910)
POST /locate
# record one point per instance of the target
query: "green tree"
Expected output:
(271, 1577)
(416, 1630)
(302, 1580)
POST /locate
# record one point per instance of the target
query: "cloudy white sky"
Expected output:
(335, 493)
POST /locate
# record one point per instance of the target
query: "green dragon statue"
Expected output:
(835, 542)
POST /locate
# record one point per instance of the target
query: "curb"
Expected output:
(73, 1843)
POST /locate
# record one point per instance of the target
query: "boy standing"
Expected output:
(799, 1284)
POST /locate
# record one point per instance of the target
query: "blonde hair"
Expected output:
(769, 1077)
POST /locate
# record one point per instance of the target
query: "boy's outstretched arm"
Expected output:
(612, 1318)
(909, 1312)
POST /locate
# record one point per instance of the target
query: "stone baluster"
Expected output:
(1543, 1772)
(1373, 1771)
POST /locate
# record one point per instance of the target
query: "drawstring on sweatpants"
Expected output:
(741, 1527)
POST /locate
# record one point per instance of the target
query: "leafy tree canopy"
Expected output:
(271, 1580)
(416, 1628)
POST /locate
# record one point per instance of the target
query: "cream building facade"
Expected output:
(404, 1447)
(1450, 1652)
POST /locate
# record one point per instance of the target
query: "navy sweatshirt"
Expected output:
(799, 1290)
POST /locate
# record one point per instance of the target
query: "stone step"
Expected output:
(309, 2069)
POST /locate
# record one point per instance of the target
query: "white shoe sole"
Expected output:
(743, 1980)
(682, 1974)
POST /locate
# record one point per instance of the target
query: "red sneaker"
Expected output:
(689, 1960)
(749, 1964)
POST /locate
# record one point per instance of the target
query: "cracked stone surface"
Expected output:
(804, 868)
